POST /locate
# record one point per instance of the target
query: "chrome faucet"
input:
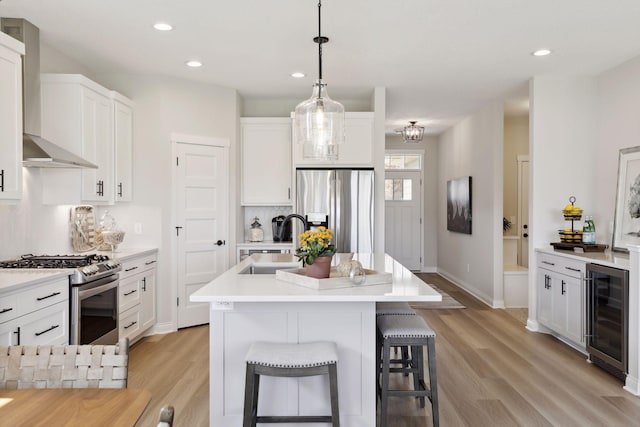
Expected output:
(288, 218)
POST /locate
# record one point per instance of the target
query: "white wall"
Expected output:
(563, 136)
(474, 147)
(429, 196)
(283, 107)
(619, 127)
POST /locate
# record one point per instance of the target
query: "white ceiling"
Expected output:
(438, 59)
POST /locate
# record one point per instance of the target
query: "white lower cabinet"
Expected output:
(37, 315)
(137, 296)
(561, 297)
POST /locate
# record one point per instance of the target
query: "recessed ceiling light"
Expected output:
(297, 75)
(193, 64)
(162, 26)
(541, 52)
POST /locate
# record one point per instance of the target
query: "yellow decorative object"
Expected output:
(314, 244)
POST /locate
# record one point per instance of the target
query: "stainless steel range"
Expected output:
(94, 293)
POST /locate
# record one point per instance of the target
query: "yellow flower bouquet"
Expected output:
(314, 244)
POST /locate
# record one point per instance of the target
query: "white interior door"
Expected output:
(403, 230)
(523, 211)
(202, 195)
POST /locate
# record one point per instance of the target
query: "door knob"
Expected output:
(220, 242)
(525, 226)
(525, 235)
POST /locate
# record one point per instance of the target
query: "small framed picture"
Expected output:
(459, 205)
(626, 223)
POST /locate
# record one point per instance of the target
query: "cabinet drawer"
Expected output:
(129, 326)
(8, 307)
(44, 296)
(562, 265)
(129, 292)
(137, 265)
(47, 326)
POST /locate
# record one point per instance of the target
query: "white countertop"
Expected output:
(608, 257)
(233, 287)
(264, 243)
(12, 279)
(124, 254)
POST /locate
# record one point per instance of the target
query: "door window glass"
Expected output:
(402, 161)
(397, 189)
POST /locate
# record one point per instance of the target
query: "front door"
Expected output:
(403, 230)
(202, 198)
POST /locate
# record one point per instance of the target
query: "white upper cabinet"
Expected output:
(123, 135)
(10, 118)
(357, 149)
(266, 161)
(95, 124)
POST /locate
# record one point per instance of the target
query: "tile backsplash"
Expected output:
(265, 214)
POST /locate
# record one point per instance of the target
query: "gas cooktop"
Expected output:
(87, 267)
(54, 261)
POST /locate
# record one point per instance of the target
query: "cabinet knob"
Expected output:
(221, 242)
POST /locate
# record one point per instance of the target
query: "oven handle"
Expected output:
(99, 286)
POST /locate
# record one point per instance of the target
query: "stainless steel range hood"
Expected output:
(36, 151)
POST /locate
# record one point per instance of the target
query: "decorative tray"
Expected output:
(298, 276)
(573, 246)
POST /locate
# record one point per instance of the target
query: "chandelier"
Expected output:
(319, 121)
(412, 133)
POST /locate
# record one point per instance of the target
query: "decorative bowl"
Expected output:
(113, 238)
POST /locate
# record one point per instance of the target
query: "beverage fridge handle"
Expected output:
(588, 305)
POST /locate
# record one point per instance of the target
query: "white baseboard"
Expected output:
(162, 328)
(429, 270)
(632, 385)
(467, 287)
(533, 325)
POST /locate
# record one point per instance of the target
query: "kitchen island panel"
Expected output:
(350, 325)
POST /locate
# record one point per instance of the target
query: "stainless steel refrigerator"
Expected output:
(342, 200)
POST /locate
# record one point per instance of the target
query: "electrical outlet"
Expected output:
(137, 228)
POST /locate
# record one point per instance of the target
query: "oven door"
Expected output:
(94, 312)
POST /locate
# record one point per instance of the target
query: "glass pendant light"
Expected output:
(319, 121)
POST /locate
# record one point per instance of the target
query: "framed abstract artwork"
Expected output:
(459, 205)
(626, 223)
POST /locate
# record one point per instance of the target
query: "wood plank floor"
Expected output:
(491, 372)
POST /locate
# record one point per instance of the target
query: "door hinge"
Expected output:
(177, 161)
(420, 221)
(178, 301)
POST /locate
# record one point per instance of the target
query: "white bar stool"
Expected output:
(290, 360)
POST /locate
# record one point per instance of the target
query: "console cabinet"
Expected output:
(10, 118)
(36, 315)
(137, 296)
(561, 297)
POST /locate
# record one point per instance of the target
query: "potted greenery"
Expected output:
(316, 251)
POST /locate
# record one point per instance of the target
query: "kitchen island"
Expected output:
(246, 308)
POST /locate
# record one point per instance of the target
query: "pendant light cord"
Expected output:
(319, 42)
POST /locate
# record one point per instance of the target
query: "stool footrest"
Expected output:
(294, 419)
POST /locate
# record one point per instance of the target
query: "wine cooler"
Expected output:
(607, 317)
